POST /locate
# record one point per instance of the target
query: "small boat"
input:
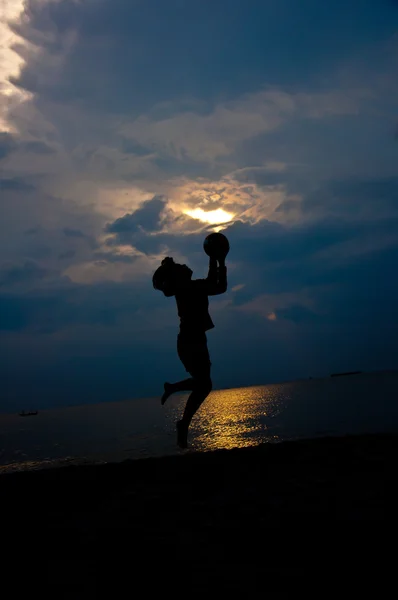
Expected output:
(346, 374)
(29, 414)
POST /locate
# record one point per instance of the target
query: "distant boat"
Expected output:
(28, 414)
(345, 374)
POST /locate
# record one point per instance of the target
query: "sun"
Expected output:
(213, 217)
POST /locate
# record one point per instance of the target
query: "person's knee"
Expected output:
(205, 385)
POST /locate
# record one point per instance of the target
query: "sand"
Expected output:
(236, 514)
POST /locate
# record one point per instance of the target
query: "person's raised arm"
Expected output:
(216, 281)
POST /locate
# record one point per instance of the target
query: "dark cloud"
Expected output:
(76, 234)
(133, 147)
(260, 176)
(67, 304)
(15, 185)
(299, 258)
(7, 144)
(73, 233)
(354, 197)
(21, 273)
(115, 257)
(185, 244)
(147, 218)
(66, 255)
(32, 231)
(154, 51)
(269, 243)
(298, 314)
(37, 147)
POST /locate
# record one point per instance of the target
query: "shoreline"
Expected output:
(220, 520)
(319, 464)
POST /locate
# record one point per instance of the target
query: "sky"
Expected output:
(130, 129)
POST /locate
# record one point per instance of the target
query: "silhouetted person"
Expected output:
(193, 309)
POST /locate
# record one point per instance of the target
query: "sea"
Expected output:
(229, 418)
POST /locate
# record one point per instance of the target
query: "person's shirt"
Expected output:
(193, 302)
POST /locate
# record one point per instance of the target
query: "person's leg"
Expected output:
(194, 355)
(183, 350)
(202, 388)
(199, 394)
(186, 385)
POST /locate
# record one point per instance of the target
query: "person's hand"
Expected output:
(213, 260)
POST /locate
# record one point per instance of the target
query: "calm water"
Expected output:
(229, 418)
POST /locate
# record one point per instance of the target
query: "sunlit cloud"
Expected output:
(11, 62)
(267, 306)
(216, 135)
(96, 271)
(213, 217)
(238, 287)
(225, 200)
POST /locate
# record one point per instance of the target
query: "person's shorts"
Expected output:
(194, 354)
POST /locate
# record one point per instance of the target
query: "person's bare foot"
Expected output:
(168, 390)
(182, 434)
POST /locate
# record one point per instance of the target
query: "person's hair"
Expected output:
(163, 277)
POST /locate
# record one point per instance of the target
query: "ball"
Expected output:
(216, 245)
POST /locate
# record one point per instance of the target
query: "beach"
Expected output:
(208, 505)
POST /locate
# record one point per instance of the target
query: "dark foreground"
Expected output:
(232, 521)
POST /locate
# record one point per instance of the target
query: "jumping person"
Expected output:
(193, 309)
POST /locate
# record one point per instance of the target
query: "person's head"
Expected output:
(169, 276)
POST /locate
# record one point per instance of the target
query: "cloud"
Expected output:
(15, 185)
(182, 128)
(147, 218)
(60, 310)
(119, 128)
(216, 134)
(73, 233)
(116, 257)
(67, 254)
(37, 147)
(114, 267)
(11, 274)
(297, 314)
(7, 144)
(357, 199)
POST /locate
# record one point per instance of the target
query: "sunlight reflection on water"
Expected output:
(236, 418)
